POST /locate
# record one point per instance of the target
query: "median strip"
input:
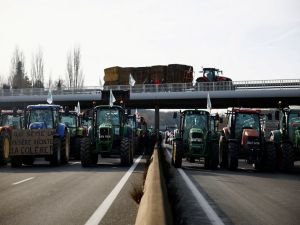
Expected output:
(22, 181)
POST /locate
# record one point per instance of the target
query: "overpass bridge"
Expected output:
(260, 93)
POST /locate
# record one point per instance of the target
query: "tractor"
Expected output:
(213, 75)
(109, 135)
(43, 136)
(287, 138)
(196, 138)
(76, 129)
(243, 138)
(9, 120)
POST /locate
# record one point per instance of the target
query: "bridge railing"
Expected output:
(164, 87)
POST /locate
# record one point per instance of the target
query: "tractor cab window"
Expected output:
(294, 122)
(69, 120)
(196, 121)
(108, 116)
(10, 120)
(210, 75)
(42, 115)
(243, 121)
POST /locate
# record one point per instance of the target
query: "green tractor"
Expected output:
(196, 138)
(287, 138)
(109, 135)
(243, 138)
(76, 129)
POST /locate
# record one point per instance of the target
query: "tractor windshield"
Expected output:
(196, 121)
(293, 123)
(10, 120)
(108, 116)
(41, 115)
(69, 120)
(242, 121)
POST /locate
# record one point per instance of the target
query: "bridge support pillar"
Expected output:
(156, 121)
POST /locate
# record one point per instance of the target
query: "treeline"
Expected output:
(18, 76)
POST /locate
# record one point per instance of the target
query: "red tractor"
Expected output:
(9, 119)
(212, 75)
(244, 138)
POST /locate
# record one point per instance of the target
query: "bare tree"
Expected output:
(74, 75)
(17, 73)
(37, 70)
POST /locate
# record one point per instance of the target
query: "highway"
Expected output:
(68, 194)
(243, 197)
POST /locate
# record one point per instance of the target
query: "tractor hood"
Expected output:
(196, 134)
(249, 135)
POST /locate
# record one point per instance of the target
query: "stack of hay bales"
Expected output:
(172, 73)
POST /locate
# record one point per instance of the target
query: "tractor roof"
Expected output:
(245, 110)
(43, 106)
(109, 107)
(195, 111)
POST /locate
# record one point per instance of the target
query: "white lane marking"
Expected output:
(103, 208)
(74, 163)
(22, 181)
(211, 214)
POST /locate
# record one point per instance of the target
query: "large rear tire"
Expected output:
(287, 157)
(88, 159)
(214, 156)
(232, 156)
(125, 154)
(65, 148)
(269, 157)
(223, 152)
(56, 155)
(4, 148)
(178, 154)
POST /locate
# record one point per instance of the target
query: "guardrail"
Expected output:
(165, 87)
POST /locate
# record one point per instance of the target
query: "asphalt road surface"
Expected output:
(243, 197)
(68, 194)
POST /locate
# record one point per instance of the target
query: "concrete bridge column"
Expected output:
(156, 120)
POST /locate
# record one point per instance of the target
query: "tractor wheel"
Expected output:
(87, 157)
(287, 157)
(76, 148)
(178, 154)
(125, 152)
(65, 149)
(223, 152)
(56, 155)
(28, 160)
(16, 161)
(214, 156)
(232, 156)
(4, 148)
(131, 151)
(269, 157)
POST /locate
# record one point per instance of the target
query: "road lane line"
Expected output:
(210, 213)
(22, 181)
(105, 205)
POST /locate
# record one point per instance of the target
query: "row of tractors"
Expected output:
(48, 131)
(242, 138)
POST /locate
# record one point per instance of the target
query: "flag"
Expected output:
(208, 105)
(49, 97)
(78, 108)
(131, 80)
(111, 98)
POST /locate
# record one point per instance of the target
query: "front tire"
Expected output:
(56, 155)
(87, 157)
(4, 148)
(178, 154)
(232, 156)
(287, 157)
(125, 154)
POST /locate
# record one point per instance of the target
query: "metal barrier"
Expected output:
(165, 87)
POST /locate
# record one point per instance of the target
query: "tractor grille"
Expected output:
(105, 133)
(197, 138)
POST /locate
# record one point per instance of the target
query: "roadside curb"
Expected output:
(154, 206)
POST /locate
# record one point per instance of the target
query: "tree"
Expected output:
(37, 70)
(74, 75)
(18, 79)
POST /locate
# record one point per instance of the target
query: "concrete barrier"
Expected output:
(154, 207)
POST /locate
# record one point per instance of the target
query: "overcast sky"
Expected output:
(247, 39)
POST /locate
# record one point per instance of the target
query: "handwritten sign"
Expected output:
(32, 142)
